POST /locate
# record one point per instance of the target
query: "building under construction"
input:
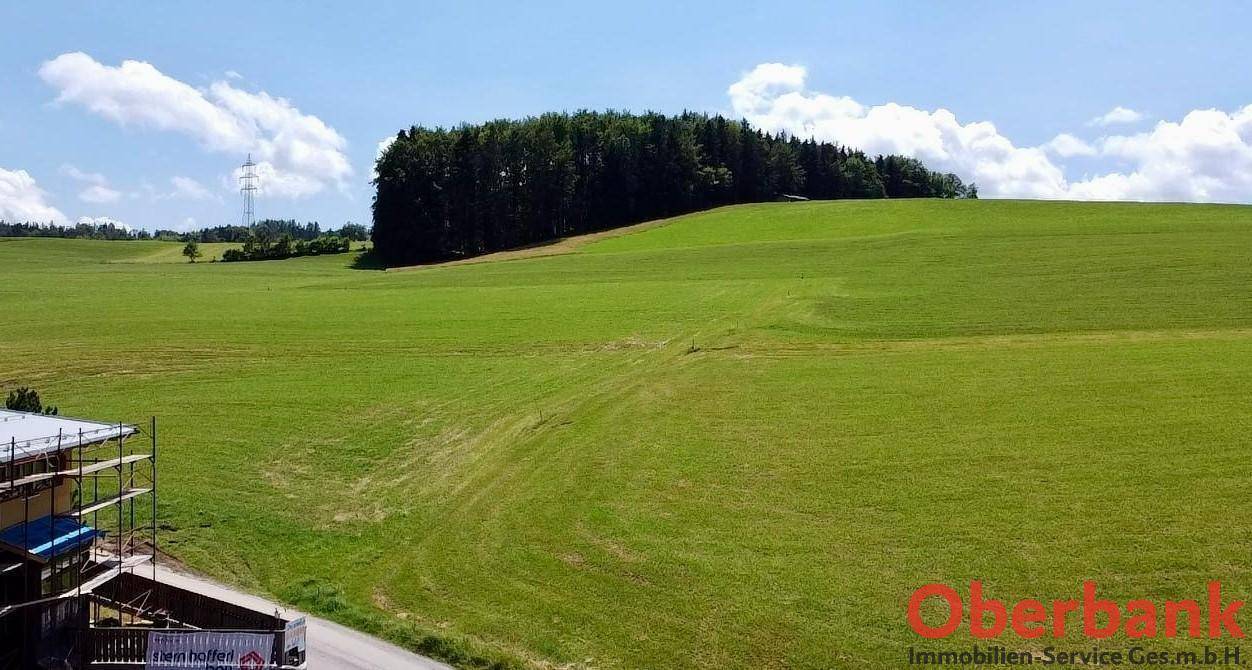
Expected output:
(79, 581)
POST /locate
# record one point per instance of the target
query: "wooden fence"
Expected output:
(181, 607)
(171, 609)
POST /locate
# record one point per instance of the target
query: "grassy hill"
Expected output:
(737, 440)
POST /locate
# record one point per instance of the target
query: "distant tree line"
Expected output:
(267, 229)
(87, 231)
(266, 248)
(474, 189)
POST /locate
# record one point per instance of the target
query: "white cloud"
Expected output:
(186, 225)
(73, 172)
(186, 187)
(102, 221)
(767, 82)
(1205, 157)
(1117, 115)
(21, 200)
(297, 154)
(773, 97)
(181, 188)
(1067, 146)
(137, 94)
(98, 190)
(99, 194)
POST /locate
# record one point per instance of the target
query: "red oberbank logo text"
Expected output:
(1090, 615)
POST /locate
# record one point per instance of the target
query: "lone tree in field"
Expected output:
(192, 251)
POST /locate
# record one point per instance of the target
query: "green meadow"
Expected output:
(740, 439)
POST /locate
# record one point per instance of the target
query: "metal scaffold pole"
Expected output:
(121, 488)
(153, 458)
(78, 514)
(51, 464)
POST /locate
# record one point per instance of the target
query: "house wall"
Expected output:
(13, 512)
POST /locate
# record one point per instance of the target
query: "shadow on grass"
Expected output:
(368, 260)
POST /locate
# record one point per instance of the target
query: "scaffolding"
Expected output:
(105, 528)
(78, 537)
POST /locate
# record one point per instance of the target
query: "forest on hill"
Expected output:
(475, 189)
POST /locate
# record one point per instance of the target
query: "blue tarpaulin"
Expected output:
(48, 536)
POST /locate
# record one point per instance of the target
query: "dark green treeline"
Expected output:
(475, 189)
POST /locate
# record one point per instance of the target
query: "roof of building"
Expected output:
(48, 536)
(24, 435)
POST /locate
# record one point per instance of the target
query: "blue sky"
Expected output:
(982, 89)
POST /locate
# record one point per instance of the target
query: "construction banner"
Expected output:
(209, 650)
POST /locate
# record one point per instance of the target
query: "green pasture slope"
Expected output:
(738, 440)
